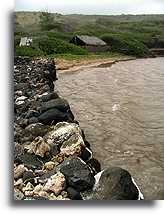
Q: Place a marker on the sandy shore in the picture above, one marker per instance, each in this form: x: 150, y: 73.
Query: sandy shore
x: 63, y: 65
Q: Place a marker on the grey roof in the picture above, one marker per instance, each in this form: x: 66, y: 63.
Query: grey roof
x: 91, y: 40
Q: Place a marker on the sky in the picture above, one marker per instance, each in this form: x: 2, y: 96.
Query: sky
x: 104, y: 7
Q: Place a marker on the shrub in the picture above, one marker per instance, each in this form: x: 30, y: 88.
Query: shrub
x: 125, y: 44
x: 58, y: 46
x: 28, y: 51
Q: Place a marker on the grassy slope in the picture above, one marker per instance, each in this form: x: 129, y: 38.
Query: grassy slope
x: 99, y: 24
x: 140, y: 27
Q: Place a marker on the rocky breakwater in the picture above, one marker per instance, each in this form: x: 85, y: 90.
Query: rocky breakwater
x: 52, y: 158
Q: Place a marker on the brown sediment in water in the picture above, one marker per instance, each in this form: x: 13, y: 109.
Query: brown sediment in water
x: 121, y: 109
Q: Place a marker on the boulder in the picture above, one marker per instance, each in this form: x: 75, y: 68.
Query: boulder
x: 73, y: 194
x: 53, y: 116
x: 38, y: 147
x: 58, y: 103
x: 50, y: 96
x: 31, y: 161
x: 55, y: 184
x: 78, y: 175
x: 114, y: 184
x: 36, y: 129
x: 64, y: 134
x: 32, y: 113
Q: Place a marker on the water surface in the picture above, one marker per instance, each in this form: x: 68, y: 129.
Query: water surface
x: 121, y: 109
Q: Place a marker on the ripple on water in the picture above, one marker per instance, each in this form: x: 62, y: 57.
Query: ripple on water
x: 121, y: 109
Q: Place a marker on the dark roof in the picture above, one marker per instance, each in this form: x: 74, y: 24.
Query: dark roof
x: 91, y: 40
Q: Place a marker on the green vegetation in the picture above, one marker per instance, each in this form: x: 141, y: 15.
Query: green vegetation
x: 28, y: 51
x: 51, y: 32
x: 57, y: 46
x: 125, y: 44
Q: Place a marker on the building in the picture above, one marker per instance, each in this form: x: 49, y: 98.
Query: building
x: 91, y: 43
x: 25, y: 41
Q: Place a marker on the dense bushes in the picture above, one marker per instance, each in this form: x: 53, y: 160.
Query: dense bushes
x: 58, y: 46
x: 28, y: 51
x: 47, y: 46
x: 125, y: 44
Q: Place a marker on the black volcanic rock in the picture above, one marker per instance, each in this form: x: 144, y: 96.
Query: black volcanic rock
x: 78, y: 175
x: 73, y: 194
x: 115, y: 184
x: 58, y: 103
x: 49, y: 96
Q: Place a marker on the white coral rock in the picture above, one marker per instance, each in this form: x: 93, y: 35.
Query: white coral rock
x: 55, y: 183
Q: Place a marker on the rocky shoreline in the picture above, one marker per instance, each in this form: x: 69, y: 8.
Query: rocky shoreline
x: 52, y: 158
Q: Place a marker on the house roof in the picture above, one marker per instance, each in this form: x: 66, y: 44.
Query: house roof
x: 91, y: 40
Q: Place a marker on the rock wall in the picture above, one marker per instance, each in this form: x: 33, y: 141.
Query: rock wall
x: 52, y: 158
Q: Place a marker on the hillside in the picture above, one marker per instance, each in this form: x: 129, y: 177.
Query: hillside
x: 147, y: 29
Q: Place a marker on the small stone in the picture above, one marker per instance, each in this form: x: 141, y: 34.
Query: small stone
x: 49, y: 165
x: 22, y: 98
x: 19, y: 170
x: 28, y: 187
x: 18, y: 182
x: 59, y: 197
x: 55, y: 183
x: 52, y: 196
x: 64, y: 194
x: 18, y: 195
x: 38, y: 188
x: 28, y: 193
x: 28, y: 176
x: 43, y: 194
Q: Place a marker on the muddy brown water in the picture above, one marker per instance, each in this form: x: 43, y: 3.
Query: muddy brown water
x: 121, y: 109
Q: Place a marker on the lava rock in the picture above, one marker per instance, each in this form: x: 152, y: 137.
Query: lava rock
x: 58, y: 103
x: 77, y: 174
x: 31, y: 161
x: 73, y: 194
x: 50, y: 96
x: 28, y: 176
x: 86, y: 154
x: 95, y: 165
x: 36, y: 129
x: 18, y: 195
x: 53, y: 116
x: 33, y: 120
x: 18, y: 150
x: 32, y: 113
x: 114, y: 184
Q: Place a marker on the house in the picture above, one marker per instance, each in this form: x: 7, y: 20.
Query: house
x: 25, y: 41
x: 91, y: 43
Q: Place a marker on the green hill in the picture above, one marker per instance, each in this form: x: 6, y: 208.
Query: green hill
x: 145, y: 29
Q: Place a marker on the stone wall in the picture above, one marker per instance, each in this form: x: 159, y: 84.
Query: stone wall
x: 52, y: 158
